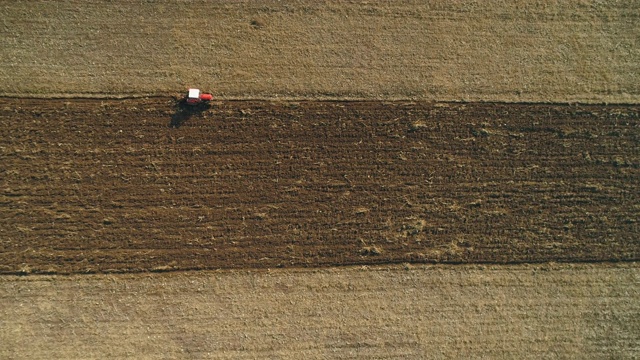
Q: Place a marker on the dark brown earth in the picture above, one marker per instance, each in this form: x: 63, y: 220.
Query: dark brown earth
x: 140, y: 185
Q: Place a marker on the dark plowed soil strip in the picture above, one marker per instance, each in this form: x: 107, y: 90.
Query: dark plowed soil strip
x: 99, y: 186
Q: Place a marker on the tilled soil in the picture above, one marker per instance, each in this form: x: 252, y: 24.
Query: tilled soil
x: 143, y: 185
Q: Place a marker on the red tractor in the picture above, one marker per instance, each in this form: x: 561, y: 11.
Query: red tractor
x: 195, y: 97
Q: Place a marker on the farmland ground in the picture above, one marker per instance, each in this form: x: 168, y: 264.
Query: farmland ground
x: 489, y: 50
x: 585, y: 311
x: 122, y: 186
x: 139, y: 185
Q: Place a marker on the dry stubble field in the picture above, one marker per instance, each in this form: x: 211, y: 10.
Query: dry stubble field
x: 489, y: 50
x: 463, y: 311
x: 571, y: 194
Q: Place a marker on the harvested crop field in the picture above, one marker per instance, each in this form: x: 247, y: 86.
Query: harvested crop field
x: 489, y: 50
x: 139, y: 185
x: 585, y: 311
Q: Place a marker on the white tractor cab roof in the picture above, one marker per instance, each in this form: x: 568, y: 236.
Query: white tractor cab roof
x: 194, y: 94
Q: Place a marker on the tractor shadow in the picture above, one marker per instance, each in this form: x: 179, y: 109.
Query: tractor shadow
x: 185, y: 112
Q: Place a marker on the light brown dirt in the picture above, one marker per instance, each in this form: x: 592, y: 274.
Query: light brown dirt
x: 490, y: 50
x: 102, y: 186
x: 515, y: 312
